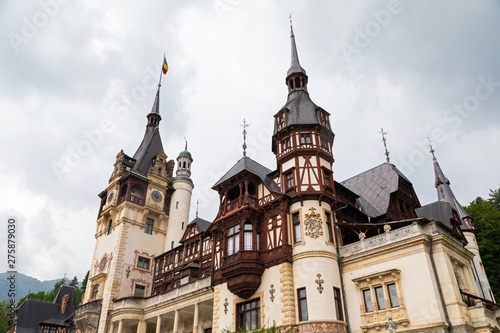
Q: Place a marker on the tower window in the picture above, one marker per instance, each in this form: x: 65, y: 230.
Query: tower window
x: 302, y: 303
x: 328, y: 222
x: 305, y: 139
x: 110, y: 227
x: 338, y: 304
x: 248, y: 315
x: 233, y: 240
x: 297, y: 236
x: 177, y: 205
x: 95, y: 291
x: 143, y: 262
x: 297, y: 82
x: 149, y: 226
x: 172, y: 245
x: 182, y: 226
x: 285, y: 144
x: 139, y: 291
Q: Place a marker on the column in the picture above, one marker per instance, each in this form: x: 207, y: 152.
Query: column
x: 158, y: 324
x: 112, y: 327
x: 141, y: 326
x: 176, y: 322
x: 196, y: 318
x: 120, y: 326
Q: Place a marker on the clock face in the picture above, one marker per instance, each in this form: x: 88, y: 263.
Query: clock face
x: 111, y: 196
x: 156, y: 196
x: 103, y: 263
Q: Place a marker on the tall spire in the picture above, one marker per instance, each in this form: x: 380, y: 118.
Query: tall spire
x: 384, y: 140
x: 445, y: 193
x: 295, y: 66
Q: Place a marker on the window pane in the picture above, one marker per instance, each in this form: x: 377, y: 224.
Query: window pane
x: 230, y: 246
x: 298, y: 236
x: 393, y: 295
x: 236, y: 243
x: 303, y: 310
x: 380, y: 298
x: 368, y: 300
x: 248, y: 241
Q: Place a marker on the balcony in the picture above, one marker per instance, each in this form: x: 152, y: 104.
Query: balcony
x: 243, y: 272
x: 482, y: 312
x: 87, y: 316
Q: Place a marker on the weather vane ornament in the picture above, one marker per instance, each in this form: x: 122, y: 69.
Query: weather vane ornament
x: 245, y: 125
x: 384, y: 140
x: 431, y: 148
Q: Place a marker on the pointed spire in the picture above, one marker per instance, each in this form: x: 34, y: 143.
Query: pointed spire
x: 384, y: 140
x: 186, y: 146
x: 295, y: 66
x: 444, y: 191
x: 245, y: 125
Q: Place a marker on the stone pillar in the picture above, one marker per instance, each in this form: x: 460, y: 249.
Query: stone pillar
x: 196, y: 318
x: 176, y: 322
x: 158, y: 324
x: 120, y: 326
x: 112, y: 327
x: 141, y: 326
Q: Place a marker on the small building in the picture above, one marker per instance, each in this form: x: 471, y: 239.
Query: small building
x: 34, y: 316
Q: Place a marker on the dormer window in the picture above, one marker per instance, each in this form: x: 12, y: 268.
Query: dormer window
x: 305, y: 139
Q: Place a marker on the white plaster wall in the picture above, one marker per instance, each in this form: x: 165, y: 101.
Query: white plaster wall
x: 182, y: 195
x: 320, y: 306
x: 270, y: 309
x: 420, y: 292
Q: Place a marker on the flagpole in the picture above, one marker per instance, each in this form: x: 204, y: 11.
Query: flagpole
x: 161, y: 72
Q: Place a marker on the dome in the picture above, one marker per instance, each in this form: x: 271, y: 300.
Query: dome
x: 185, y: 153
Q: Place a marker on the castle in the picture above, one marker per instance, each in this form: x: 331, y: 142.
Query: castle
x: 290, y: 247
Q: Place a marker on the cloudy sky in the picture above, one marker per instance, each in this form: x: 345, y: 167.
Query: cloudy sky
x: 79, y: 77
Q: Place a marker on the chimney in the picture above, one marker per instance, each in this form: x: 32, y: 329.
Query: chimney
x: 65, y: 302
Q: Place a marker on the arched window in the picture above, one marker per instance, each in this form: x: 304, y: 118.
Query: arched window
x: 291, y: 83
x: 297, y: 82
x: 247, y: 237
x: 110, y: 227
x: 95, y: 291
x: 123, y: 191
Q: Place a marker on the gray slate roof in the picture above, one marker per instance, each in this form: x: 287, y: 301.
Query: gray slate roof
x: 202, y: 224
x: 149, y: 148
x: 246, y: 163
x: 375, y: 187
x: 31, y: 312
x: 439, y: 211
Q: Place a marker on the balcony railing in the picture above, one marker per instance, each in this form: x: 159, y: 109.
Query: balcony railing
x: 473, y: 300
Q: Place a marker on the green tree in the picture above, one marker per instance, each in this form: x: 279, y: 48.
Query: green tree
x: 4, y: 316
x: 486, y: 215
x: 74, y: 282
x: 81, y: 290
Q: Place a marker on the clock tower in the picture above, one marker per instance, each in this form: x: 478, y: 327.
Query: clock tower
x: 142, y: 204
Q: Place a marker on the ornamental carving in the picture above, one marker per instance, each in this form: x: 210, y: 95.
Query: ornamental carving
x: 313, y: 224
x: 320, y: 282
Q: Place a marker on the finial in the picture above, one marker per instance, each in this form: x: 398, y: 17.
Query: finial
x: 431, y: 148
x: 291, y: 26
x: 245, y: 125
x: 384, y: 140
x: 186, y: 147
x: 197, y: 206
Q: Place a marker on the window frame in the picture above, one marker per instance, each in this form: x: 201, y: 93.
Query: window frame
x: 289, y: 180
x: 242, y: 309
x: 139, y: 286
x: 248, y: 233
x: 110, y: 227
x: 143, y: 260
x: 148, y: 229
x: 233, y: 240
x: 337, y: 297
x: 329, y: 226
x: 95, y: 291
x: 296, y: 224
x: 302, y: 302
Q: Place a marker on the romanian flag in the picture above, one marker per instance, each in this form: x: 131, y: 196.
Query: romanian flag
x: 165, y: 65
